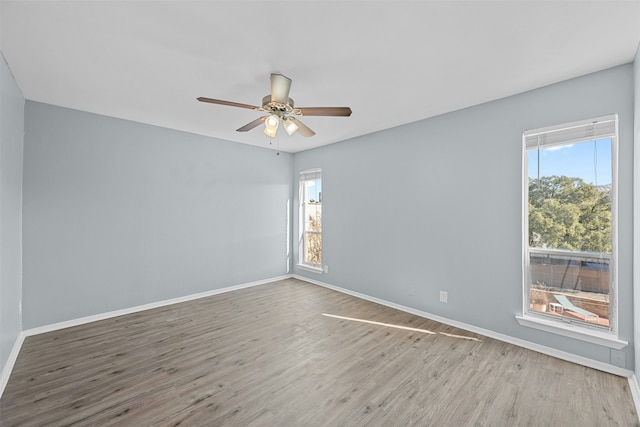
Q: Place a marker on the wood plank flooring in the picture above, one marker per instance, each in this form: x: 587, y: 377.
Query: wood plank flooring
x: 268, y: 356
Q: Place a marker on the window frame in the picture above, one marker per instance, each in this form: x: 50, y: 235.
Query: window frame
x: 560, y: 325
x: 307, y: 175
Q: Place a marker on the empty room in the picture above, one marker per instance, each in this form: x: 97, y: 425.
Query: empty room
x: 319, y: 213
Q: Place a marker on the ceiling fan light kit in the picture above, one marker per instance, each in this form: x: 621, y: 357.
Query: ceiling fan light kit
x: 281, y: 109
x: 271, y: 125
x: 289, y: 125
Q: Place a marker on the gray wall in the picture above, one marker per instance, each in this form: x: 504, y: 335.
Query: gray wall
x: 436, y: 205
x: 636, y: 202
x: 11, y: 145
x: 119, y: 214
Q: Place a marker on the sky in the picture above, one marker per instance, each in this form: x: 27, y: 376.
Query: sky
x: 313, y: 189
x: 590, y: 160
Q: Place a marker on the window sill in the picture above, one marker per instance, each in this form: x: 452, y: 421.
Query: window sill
x: 317, y: 270
x: 572, y: 331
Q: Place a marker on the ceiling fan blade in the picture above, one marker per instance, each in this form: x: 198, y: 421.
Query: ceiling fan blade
x: 280, y: 86
x: 303, y: 129
x: 252, y: 124
x: 229, y: 103
x: 325, y: 111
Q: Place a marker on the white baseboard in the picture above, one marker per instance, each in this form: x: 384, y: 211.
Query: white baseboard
x: 580, y: 360
x: 635, y: 392
x: 8, y: 367
x: 136, y: 309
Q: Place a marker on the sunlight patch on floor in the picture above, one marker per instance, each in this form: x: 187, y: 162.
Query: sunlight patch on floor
x: 371, y: 322
x: 406, y: 328
x: 462, y: 337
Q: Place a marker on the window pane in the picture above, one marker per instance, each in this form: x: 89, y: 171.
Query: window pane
x: 313, y: 248
x: 313, y: 235
x: 570, y: 230
x: 313, y: 190
x: 313, y: 217
x: 311, y: 220
x: 583, y: 279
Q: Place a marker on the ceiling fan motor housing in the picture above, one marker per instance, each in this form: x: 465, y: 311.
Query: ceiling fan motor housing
x: 275, y: 107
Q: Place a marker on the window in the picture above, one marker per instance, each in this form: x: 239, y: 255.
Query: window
x: 570, y: 223
x: 311, y: 218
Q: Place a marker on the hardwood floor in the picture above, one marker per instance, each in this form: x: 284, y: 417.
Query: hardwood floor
x: 268, y: 356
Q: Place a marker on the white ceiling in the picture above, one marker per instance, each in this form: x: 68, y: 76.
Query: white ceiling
x: 392, y: 62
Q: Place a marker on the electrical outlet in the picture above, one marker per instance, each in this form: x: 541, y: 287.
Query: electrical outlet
x: 326, y: 268
x: 443, y: 296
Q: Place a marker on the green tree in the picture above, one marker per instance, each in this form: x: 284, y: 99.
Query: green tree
x: 568, y: 213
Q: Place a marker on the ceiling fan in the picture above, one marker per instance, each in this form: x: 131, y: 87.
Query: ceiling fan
x: 280, y: 110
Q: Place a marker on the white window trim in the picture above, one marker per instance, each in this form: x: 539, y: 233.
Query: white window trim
x: 577, y: 330
x: 572, y: 330
x: 310, y: 268
x: 305, y: 175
